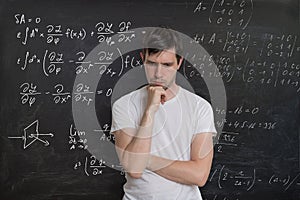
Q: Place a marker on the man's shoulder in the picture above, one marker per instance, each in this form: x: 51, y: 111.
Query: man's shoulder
x: 193, y: 98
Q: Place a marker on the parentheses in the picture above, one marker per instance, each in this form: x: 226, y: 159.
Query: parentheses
x: 84, y: 34
x: 249, y: 36
x: 211, y: 10
x: 225, y: 43
x: 44, y: 63
x: 234, y: 61
x: 288, y: 180
x: 253, y: 182
x: 231, y: 77
x: 219, y: 179
x: 245, y: 70
x: 85, y: 167
x: 250, y: 17
x: 71, y: 35
x: 292, y: 181
x: 122, y: 60
x: 271, y: 179
x: 263, y: 44
x: 234, y: 68
x: 293, y: 47
x: 277, y: 74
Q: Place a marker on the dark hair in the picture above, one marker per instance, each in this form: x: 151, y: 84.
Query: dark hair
x: 160, y: 39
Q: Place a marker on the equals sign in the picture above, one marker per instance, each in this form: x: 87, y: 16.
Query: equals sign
x: 99, y: 91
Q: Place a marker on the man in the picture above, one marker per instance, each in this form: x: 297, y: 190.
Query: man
x: 163, y: 133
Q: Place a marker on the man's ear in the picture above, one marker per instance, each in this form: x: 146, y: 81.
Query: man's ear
x: 142, y: 56
x: 180, y: 62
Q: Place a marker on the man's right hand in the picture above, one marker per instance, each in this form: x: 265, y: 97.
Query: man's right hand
x: 156, y: 95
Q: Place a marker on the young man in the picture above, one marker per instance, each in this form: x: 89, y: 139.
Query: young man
x: 163, y: 133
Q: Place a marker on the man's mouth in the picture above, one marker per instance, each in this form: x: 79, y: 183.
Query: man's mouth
x: 158, y: 84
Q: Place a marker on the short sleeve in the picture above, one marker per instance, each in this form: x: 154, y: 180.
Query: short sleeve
x: 204, y: 118
x: 122, y: 115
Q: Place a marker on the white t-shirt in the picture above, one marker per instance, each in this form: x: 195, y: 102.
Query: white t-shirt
x: 175, y: 124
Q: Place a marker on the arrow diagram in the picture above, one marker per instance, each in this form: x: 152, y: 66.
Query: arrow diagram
x: 31, y: 134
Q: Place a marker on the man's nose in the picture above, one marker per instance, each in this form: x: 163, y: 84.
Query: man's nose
x: 158, y: 71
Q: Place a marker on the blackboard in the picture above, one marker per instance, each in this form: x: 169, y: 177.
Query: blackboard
x: 48, y: 152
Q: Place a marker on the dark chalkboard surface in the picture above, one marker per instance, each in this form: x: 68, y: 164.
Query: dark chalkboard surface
x: 58, y: 83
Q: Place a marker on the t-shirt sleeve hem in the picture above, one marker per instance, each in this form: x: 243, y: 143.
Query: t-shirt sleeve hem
x: 205, y: 131
x: 112, y: 130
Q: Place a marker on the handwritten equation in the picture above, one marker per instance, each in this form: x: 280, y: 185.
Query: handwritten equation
x: 228, y: 13
x: 53, y: 33
x: 29, y: 94
x: 267, y: 59
x: 53, y: 62
x: 284, y: 73
x: 249, y: 179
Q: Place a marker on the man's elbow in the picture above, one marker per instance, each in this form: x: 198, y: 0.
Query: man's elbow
x: 201, y: 179
x: 201, y: 183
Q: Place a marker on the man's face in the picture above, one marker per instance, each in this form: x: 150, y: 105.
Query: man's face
x: 161, y: 67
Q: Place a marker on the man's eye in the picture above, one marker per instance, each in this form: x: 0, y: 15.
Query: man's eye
x: 152, y: 64
x: 166, y: 65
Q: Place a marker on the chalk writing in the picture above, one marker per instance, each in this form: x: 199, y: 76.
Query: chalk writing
x: 32, y: 134
x: 91, y: 166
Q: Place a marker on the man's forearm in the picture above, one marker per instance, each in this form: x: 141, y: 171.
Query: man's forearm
x: 136, y: 154
x: 192, y: 172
